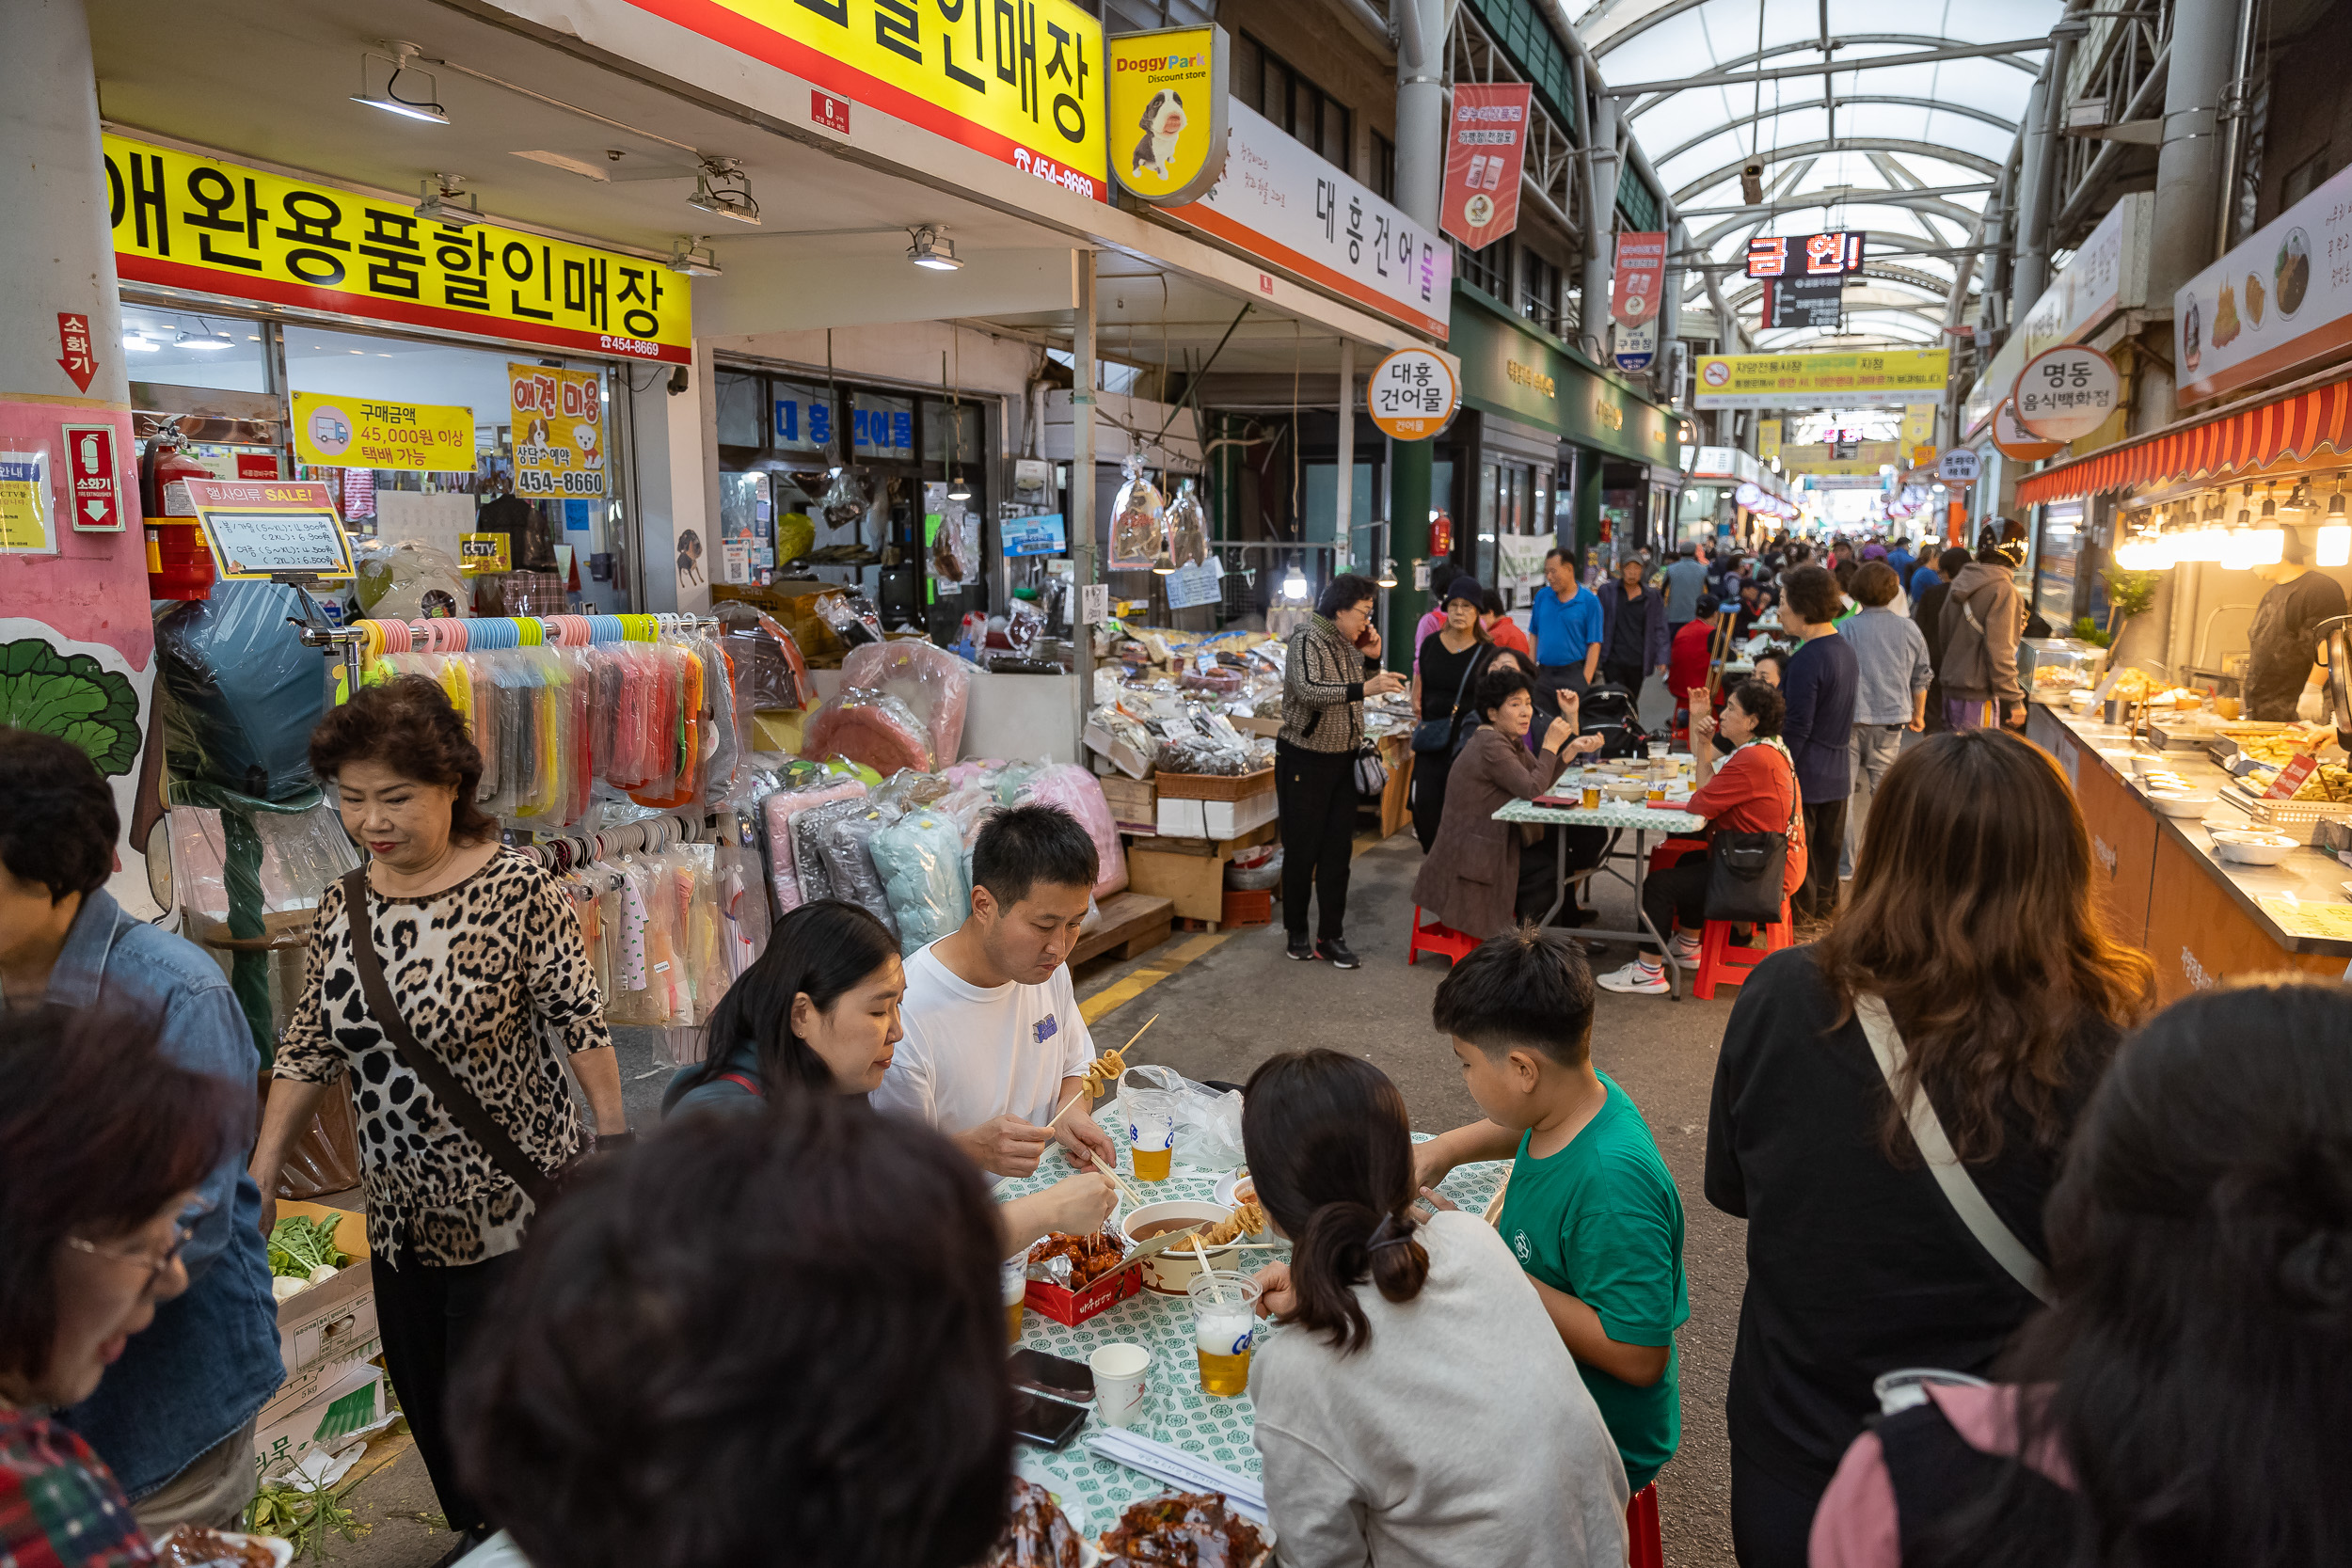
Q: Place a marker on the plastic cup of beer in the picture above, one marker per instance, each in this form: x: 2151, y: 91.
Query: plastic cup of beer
x: 1224, y: 1323
x: 1658, y: 750
x: 1120, y: 1372
x: 1014, y: 1272
x: 1592, y: 790
x: 1657, y: 791
x: 1152, y: 1144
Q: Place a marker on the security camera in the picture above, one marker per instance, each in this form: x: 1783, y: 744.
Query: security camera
x: 678, y: 380
x: 1752, y: 183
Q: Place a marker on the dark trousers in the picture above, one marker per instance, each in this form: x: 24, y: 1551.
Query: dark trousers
x: 1824, y: 840
x: 1539, y: 869
x: 1628, y: 674
x: 426, y: 1315
x: 1314, y: 792
x: 1677, y: 895
x: 1429, y: 775
x: 1771, y: 1518
x: 1556, y: 678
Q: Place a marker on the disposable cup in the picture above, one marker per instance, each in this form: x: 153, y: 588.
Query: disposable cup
x: 1592, y: 792
x: 1224, y: 1323
x: 1121, y: 1381
x: 1152, y: 1144
x: 1014, y: 1276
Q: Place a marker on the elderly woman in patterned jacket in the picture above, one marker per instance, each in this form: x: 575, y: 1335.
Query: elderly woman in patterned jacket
x: 480, y: 955
x: 1333, y: 664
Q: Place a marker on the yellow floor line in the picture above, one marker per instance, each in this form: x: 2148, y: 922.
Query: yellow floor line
x: 1128, y: 986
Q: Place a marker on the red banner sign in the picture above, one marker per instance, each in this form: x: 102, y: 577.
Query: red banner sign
x: 95, y: 481
x: 1640, y: 279
x: 1486, y: 149
x: 76, y: 356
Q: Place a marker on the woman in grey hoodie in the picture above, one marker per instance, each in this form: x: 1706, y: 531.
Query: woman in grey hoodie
x: 1984, y: 615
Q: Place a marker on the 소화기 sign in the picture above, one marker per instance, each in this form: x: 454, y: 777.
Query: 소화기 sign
x: 1413, y: 392
x: 1019, y: 80
x: 2065, y: 393
x: 1166, y: 108
x: 1486, y: 149
x: 272, y: 528
x: 184, y: 221
x: 1874, y: 380
x: 333, y: 431
x: 559, y: 430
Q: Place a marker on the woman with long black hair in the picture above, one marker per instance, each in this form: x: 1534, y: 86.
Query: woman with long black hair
x: 818, y: 1013
x: 2183, y: 1399
x: 1421, y: 1411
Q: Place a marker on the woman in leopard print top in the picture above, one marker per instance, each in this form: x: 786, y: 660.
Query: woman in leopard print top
x: 484, y: 960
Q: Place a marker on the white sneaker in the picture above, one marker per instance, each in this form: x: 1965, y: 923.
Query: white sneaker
x: 1634, y: 980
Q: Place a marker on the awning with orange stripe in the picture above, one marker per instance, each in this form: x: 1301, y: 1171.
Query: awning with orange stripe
x: 2296, y: 426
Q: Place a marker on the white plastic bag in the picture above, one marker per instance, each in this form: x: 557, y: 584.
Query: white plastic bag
x: 1208, y: 1123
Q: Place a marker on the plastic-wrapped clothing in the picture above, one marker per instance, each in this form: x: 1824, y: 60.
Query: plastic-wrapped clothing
x: 967, y: 808
x: 766, y: 660
x: 870, y: 727
x: 844, y: 843
x: 936, y: 684
x: 742, y: 913
x: 406, y: 579
x: 808, y: 856
x: 247, y: 689
x: 776, y: 814
x: 920, y: 859
x: 1078, y: 792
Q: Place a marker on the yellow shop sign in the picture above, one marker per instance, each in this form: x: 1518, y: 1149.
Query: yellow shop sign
x: 332, y: 431
x: 1167, y: 99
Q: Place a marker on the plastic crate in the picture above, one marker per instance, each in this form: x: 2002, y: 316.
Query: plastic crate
x: 1248, y: 907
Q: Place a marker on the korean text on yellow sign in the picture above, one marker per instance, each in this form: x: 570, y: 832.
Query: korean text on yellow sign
x: 1167, y: 106
x: 332, y: 431
x: 188, y: 222
x: 1019, y: 80
x: 1874, y: 380
x: 559, y: 430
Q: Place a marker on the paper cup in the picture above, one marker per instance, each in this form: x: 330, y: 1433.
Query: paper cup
x: 1121, y: 1381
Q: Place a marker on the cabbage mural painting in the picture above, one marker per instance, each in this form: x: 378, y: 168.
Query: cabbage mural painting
x: 72, y: 696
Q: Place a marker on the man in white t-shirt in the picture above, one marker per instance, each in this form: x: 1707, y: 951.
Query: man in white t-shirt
x: 994, y: 1044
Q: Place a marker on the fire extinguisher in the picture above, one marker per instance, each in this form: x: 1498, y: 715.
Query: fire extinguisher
x: 179, y: 565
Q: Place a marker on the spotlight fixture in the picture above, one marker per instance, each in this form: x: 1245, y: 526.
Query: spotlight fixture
x: 724, y: 190
x: 691, y: 254
x: 402, y: 58
x: 2335, y: 534
x: 959, y: 489
x: 929, y: 250
x: 1163, y: 564
x: 2270, y: 502
x: 1388, y: 570
x: 437, y: 202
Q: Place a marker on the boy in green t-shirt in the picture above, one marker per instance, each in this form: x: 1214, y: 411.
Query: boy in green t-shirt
x: 1591, y: 1211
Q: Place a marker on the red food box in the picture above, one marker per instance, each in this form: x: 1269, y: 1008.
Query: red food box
x: 1071, y: 1307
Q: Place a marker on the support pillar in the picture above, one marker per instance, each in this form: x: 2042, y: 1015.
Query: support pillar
x: 84, y: 597
x: 2031, y: 274
x: 1601, y: 213
x: 1081, y: 496
x: 1419, y: 189
x: 1344, y: 492
x: 2188, y: 163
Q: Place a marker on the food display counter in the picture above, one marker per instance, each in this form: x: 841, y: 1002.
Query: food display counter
x: 2163, y: 887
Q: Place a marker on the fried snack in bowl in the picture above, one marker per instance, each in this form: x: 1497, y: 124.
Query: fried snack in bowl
x: 1184, y: 1529
x: 1076, y: 1262
x: 1248, y: 1219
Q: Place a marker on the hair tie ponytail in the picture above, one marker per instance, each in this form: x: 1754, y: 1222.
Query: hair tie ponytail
x: 1388, y: 1233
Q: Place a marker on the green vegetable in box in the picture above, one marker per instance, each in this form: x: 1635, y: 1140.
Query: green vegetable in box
x: 303, y: 1250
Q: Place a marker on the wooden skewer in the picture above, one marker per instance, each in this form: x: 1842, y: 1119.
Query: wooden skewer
x: 1137, y: 1036
x: 1200, y: 1252
x: 1133, y: 1195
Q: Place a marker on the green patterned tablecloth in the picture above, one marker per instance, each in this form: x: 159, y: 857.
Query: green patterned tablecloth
x: 1094, y: 1492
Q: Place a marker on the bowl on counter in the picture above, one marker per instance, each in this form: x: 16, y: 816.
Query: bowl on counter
x: 2182, y: 802
x: 1171, y: 1270
x: 2248, y: 846
x: 1625, y: 789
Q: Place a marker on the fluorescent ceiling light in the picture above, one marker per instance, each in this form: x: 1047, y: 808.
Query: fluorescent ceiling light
x: 929, y: 250
x: 437, y: 202
x: 690, y: 256
x: 185, y: 338
x: 399, y: 56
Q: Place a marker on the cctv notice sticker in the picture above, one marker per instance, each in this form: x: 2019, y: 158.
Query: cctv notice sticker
x: 559, y: 430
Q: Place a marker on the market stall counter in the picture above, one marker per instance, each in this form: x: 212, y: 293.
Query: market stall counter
x: 2165, y: 887
x: 1202, y: 1428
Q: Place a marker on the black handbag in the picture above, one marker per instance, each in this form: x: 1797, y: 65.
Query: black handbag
x: 1744, y: 872
x: 1437, y: 734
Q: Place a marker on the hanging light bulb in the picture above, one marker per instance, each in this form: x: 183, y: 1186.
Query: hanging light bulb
x: 2246, y: 507
x: 1388, y: 570
x: 2238, y: 550
x: 2270, y: 536
x: 958, y: 490
x: 1295, y: 584
x: 1163, y: 564
x: 2270, y: 501
x: 2335, y: 534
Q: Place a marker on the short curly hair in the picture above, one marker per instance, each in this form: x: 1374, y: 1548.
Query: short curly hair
x: 61, y: 824
x: 408, y: 724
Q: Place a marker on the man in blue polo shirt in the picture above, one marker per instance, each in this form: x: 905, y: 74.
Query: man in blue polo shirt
x: 1567, y: 623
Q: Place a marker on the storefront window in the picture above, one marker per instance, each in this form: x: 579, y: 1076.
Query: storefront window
x: 2054, y: 573
x: 179, y: 348
x: 882, y: 426
x: 937, y: 417
x: 739, y: 413
x: 802, y: 418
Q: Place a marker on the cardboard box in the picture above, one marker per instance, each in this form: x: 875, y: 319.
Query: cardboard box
x: 1215, y: 786
x: 351, y: 1401
x: 1076, y: 1307
x: 320, y: 1323
x: 1133, y: 803
x: 1189, y: 872
x: 1121, y: 756
x: 1195, y: 819
x: 1251, y: 724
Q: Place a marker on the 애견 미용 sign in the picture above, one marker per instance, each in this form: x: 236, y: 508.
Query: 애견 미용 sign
x: 1165, y: 111
x: 1019, y: 80
x: 1486, y: 149
x: 1878, y: 379
x: 559, y: 430
x: 184, y: 221
x: 271, y: 527
x: 333, y: 431
x: 1413, y: 392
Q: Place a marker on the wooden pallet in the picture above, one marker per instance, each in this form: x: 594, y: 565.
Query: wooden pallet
x: 1133, y: 923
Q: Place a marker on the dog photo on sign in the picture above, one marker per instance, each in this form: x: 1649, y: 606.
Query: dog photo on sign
x: 1163, y: 121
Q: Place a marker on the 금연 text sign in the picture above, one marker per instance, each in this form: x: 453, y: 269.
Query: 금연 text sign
x: 1485, y: 151
x: 1638, y: 279
x: 190, y: 222
x: 1829, y: 255
x: 277, y: 527
x: 1019, y: 80
x: 1413, y: 392
x: 334, y: 432
x: 2065, y: 393
x: 559, y: 430
x: 1888, y: 379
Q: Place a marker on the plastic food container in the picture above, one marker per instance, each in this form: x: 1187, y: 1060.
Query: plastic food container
x: 1170, y: 1272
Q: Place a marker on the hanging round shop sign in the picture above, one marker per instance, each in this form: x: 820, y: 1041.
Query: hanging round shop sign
x: 1413, y: 392
x: 2065, y: 393
x: 1749, y: 496
x: 2015, y: 441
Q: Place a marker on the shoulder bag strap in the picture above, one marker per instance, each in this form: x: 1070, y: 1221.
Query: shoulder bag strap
x: 1479, y: 653
x: 1960, y: 1188
x: 455, y: 1096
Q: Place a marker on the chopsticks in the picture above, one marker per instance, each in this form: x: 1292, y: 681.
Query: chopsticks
x: 1134, y: 1197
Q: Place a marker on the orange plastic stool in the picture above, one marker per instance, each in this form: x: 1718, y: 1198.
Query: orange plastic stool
x: 1669, y: 853
x: 1723, y: 962
x: 1437, y: 936
x: 1644, y: 1549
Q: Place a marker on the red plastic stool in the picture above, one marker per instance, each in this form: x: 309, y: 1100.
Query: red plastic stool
x: 1644, y: 1549
x: 1669, y: 853
x: 1723, y: 962
x: 1437, y: 936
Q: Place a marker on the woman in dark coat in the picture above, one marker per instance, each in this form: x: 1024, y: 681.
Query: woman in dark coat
x: 1471, y: 880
